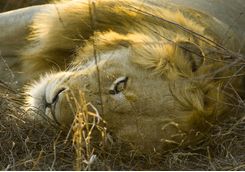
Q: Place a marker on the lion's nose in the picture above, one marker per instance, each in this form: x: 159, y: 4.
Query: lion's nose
x: 52, y: 105
x: 55, y: 98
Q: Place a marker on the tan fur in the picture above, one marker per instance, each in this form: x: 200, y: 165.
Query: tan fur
x: 172, y: 62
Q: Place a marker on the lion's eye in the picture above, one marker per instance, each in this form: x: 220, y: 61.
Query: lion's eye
x: 118, y: 85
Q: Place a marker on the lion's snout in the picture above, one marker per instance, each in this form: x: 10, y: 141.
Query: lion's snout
x: 58, y: 99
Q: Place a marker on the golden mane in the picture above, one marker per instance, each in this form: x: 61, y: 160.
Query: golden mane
x: 58, y: 32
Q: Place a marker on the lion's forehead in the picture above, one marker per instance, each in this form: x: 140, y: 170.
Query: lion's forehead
x: 104, y: 59
x: 110, y: 65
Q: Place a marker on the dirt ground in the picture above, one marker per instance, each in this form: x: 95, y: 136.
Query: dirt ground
x: 29, y: 145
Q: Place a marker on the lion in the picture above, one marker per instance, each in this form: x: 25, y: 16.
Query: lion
x: 159, y: 73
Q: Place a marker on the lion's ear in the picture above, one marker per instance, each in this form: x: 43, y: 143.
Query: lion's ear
x: 191, y: 53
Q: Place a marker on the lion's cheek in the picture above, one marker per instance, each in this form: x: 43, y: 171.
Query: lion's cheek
x: 148, y: 135
x: 119, y: 104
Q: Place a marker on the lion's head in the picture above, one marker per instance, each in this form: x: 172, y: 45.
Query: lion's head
x: 149, y: 92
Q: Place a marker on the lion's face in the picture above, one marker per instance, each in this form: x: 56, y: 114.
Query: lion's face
x: 132, y: 99
x: 139, y: 106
